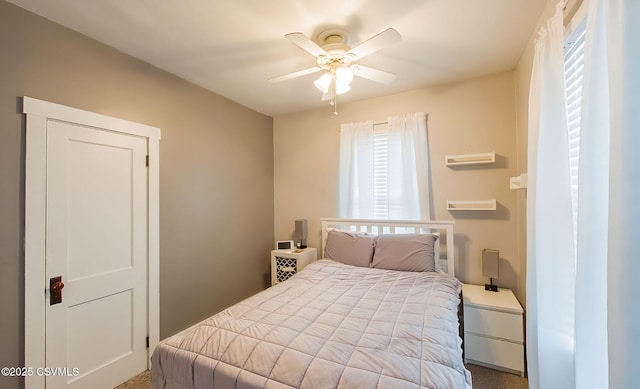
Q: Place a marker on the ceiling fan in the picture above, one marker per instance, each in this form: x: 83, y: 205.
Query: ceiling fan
x: 336, y: 59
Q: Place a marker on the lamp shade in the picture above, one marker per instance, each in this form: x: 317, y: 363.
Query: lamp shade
x: 490, y: 263
x: 341, y: 79
x: 323, y: 82
x: 344, y: 76
x: 301, y: 230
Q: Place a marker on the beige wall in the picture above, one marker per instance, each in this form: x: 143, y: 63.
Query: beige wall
x: 216, y: 170
x: 468, y: 117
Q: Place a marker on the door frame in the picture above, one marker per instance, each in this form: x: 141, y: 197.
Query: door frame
x: 38, y: 112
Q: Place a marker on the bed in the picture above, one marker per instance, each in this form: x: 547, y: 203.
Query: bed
x: 339, y: 323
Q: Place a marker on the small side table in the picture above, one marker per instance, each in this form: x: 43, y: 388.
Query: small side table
x: 286, y: 263
x: 493, y: 329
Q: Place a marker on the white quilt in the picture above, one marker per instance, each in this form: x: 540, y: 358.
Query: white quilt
x: 330, y: 326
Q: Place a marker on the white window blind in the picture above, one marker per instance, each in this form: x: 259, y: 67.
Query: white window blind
x: 380, y: 171
x: 573, y: 78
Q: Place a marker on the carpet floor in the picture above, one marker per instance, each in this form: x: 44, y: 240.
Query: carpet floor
x: 483, y: 378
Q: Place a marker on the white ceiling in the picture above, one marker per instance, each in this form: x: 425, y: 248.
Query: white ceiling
x: 232, y: 47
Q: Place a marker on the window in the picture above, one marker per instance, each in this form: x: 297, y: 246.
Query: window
x: 380, y: 171
x: 573, y: 80
x: 384, y: 169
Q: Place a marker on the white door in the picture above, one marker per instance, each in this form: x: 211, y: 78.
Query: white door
x: 96, y: 240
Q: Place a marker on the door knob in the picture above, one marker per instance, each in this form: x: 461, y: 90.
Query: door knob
x: 55, y: 290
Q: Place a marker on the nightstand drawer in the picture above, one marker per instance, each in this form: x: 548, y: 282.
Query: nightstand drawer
x: 493, y: 323
x: 494, y: 352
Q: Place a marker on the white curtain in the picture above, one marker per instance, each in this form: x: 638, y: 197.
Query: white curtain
x: 355, y: 181
x: 550, y: 249
x: 607, y: 313
x: 622, y: 31
x: 593, y: 199
x: 408, y: 168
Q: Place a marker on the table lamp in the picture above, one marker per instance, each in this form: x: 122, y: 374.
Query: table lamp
x: 301, y: 233
x: 490, y: 267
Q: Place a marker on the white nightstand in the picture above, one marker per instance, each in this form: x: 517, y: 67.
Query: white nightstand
x: 493, y: 329
x: 285, y: 263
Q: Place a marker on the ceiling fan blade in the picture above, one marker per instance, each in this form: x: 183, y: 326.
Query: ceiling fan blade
x: 306, y: 44
x: 299, y: 73
x: 375, y: 43
x: 373, y: 74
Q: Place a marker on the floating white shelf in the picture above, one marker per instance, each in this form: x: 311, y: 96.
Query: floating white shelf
x: 471, y: 205
x: 470, y: 159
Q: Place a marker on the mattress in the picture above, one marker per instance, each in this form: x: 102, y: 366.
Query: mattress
x: 330, y: 326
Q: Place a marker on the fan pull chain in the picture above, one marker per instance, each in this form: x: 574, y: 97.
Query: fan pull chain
x: 335, y: 105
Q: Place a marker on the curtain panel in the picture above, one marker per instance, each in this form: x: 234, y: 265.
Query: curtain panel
x: 593, y: 198
x: 355, y: 177
x: 550, y: 249
x: 601, y: 349
x: 622, y: 34
x: 408, y: 168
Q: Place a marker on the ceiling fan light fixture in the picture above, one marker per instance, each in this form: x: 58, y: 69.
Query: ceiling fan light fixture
x: 342, y: 79
x: 335, y: 56
x: 344, y: 76
x: 342, y: 89
x: 323, y: 82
